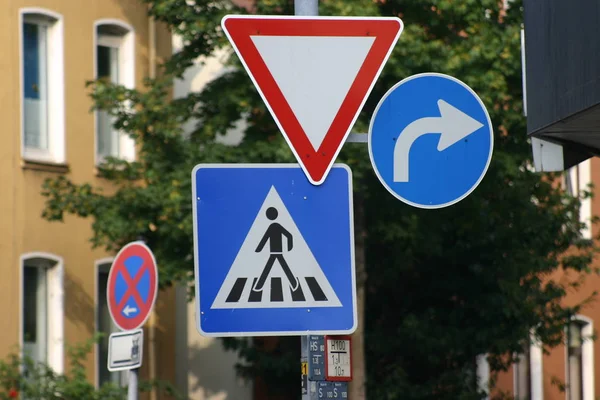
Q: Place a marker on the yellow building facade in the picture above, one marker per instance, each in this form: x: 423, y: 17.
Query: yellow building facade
x: 53, y: 284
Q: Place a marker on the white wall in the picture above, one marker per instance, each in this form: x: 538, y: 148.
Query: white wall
x: 205, y: 371
x: 196, y: 77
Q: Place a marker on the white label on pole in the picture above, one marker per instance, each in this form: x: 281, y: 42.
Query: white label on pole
x: 339, y: 359
x: 125, y: 350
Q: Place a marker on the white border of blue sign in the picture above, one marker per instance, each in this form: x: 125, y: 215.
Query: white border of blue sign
x: 489, y: 121
x: 197, y: 264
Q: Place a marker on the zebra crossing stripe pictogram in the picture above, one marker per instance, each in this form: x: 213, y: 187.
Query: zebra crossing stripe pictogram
x: 262, y: 276
x: 277, y: 291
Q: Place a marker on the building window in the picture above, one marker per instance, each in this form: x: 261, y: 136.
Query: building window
x: 580, y: 362
x: 42, y: 318
x: 523, y: 376
x: 483, y: 374
x: 35, y: 78
x: 104, y: 324
x: 114, y: 55
x: 576, y: 181
x: 107, y: 56
x: 527, y: 369
x: 35, y: 312
x: 42, y: 86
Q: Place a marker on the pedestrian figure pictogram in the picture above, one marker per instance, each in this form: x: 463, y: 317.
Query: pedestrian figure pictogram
x: 274, y: 235
x: 268, y: 259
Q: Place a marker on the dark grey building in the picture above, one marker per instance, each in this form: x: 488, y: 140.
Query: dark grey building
x: 562, y: 80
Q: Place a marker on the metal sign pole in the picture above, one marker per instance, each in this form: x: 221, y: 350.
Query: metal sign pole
x: 304, y: 366
x: 132, y: 388
x: 307, y: 8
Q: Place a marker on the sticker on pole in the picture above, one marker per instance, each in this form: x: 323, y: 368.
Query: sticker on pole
x: 132, y: 286
x: 314, y: 75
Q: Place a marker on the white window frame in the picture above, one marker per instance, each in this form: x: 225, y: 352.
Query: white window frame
x: 587, y: 355
x: 55, y: 302
x: 535, y: 370
x: 100, y: 266
x: 126, y: 44
x: 56, y: 85
x: 483, y: 374
x: 576, y: 180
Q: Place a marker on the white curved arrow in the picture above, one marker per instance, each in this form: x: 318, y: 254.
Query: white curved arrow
x: 453, y: 125
x: 128, y: 310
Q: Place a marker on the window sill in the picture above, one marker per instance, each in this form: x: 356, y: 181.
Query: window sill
x: 59, y: 168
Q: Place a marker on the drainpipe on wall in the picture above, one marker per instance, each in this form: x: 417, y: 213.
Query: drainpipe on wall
x: 152, y: 46
x: 152, y: 319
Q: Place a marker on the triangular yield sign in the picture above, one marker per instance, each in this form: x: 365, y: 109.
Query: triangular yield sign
x: 314, y: 75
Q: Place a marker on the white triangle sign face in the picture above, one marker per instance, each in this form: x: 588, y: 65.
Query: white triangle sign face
x: 274, y: 267
x: 314, y: 75
x: 291, y: 60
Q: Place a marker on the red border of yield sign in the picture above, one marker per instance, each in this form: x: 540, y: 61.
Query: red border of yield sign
x: 149, y: 264
x: 386, y: 30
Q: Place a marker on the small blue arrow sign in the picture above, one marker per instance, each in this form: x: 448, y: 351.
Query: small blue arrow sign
x: 430, y: 140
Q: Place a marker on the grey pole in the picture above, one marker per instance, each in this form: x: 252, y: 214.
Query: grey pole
x: 304, y: 359
x: 306, y: 7
x: 132, y: 388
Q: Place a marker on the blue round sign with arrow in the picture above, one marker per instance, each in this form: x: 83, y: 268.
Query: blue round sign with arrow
x: 430, y: 140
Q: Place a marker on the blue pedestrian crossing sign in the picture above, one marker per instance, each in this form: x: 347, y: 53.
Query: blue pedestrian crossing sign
x: 430, y: 140
x: 274, y: 254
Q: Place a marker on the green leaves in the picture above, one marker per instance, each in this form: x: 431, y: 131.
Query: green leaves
x: 444, y: 285
x: 24, y: 378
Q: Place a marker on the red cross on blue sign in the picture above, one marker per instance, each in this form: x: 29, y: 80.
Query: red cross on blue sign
x: 132, y: 286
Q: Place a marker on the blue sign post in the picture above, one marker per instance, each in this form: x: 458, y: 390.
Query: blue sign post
x: 430, y: 140
x: 316, y: 358
x: 332, y: 390
x: 274, y: 254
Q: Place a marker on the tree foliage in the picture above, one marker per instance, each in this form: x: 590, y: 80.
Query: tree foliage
x: 443, y: 286
x: 21, y: 377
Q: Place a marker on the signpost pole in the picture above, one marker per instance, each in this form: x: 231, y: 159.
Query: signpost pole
x: 306, y: 8
x: 132, y: 389
x: 304, y: 365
